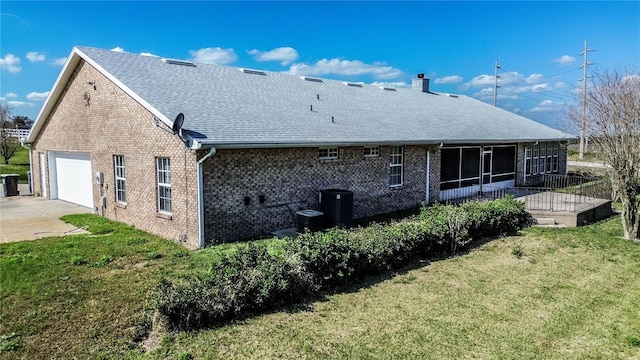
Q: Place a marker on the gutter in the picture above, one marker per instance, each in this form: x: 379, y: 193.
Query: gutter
x: 212, y: 151
x: 235, y: 145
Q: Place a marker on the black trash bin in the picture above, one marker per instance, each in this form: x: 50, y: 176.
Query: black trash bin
x: 337, y: 205
x: 10, y: 184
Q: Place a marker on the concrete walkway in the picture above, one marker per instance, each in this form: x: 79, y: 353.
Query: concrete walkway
x: 28, y: 217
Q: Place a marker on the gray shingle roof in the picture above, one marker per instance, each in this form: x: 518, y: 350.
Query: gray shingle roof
x: 230, y: 107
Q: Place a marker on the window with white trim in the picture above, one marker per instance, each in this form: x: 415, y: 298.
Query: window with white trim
x: 396, y: 165
x: 542, y: 158
x: 328, y: 153
x: 371, y: 151
x: 120, y: 179
x: 163, y: 169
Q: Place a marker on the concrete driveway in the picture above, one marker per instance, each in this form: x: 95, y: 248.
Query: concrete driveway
x: 29, y: 217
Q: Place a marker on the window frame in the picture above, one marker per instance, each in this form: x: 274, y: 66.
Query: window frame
x: 371, y: 151
x: 460, y: 181
x: 163, y: 183
x: 508, y: 175
x: 396, y: 161
x: 545, y: 158
x: 120, y: 177
x: 332, y: 153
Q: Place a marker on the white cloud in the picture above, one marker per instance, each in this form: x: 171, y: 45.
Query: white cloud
x: 34, y: 56
x: 214, y: 55
x: 148, y: 54
x: 36, y: 96
x: 488, y: 93
x: 510, y: 85
x: 391, y: 84
x: 11, y: 95
x: 478, y: 81
x: 379, y: 70
x: 117, y: 49
x: 60, y: 61
x: 541, y: 87
x: 560, y: 85
x: 11, y: 63
x: 453, y: 79
x: 535, y: 78
x: 19, y: 104
x: 285, y: 55
x: 564, y: 60
x: 544, y: 106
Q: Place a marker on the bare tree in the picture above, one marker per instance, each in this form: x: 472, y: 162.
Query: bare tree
x: 612, y: 122
x: 8, y: 144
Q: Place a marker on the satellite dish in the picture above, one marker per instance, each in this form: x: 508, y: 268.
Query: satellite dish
x: 177, y: 123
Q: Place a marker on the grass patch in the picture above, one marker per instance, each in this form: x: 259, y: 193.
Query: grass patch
x: 19, y: 164
x: 569, y: 294
x: 588, y: 156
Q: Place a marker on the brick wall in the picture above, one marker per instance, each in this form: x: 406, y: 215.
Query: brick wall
x: 520, y: 178
x: 112, y: 123
x: 290, y: 180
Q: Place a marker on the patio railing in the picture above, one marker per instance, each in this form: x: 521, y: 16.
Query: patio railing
x: 557, y: 193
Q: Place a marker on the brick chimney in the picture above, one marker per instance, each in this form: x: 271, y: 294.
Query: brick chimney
x: 421, y: 83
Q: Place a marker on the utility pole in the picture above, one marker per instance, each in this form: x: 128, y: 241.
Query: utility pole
x: 495, y: 88
x: 584, y: 65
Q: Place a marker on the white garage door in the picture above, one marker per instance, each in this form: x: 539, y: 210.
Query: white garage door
x: 73, y: 180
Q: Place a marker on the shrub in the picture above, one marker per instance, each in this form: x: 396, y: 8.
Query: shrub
x: 456, y: 226
x: 328, y: 255
x: 252, y: 279
x: 245, y: 281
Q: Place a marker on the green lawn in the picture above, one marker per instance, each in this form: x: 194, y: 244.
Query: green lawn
x: 588, y: 156
x: 546, y: 294
x: 19, y: 164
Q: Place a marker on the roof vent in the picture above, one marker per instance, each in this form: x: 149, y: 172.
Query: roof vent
x: 178, y: 62
x: 254, y: 72
x: 453, y: 96
x: 387, y: 88
x: 310, y: 79
x: 353, y: 84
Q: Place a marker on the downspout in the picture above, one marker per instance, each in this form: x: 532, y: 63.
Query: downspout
x: 212, y: 151
x: 428, y: 173
x: 31, y: 172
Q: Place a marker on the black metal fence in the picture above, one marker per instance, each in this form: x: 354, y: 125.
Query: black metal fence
x: 555, y: 193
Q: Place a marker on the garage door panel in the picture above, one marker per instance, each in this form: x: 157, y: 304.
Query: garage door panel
x: 73, y: 178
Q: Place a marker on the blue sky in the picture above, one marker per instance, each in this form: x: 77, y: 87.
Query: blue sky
x: 455, y: 44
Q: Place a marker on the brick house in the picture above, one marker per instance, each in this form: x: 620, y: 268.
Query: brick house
x: 257, y: 146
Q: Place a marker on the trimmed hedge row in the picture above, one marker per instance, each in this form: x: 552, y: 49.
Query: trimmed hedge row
x: 245, y: 281
x: 253, y: 280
